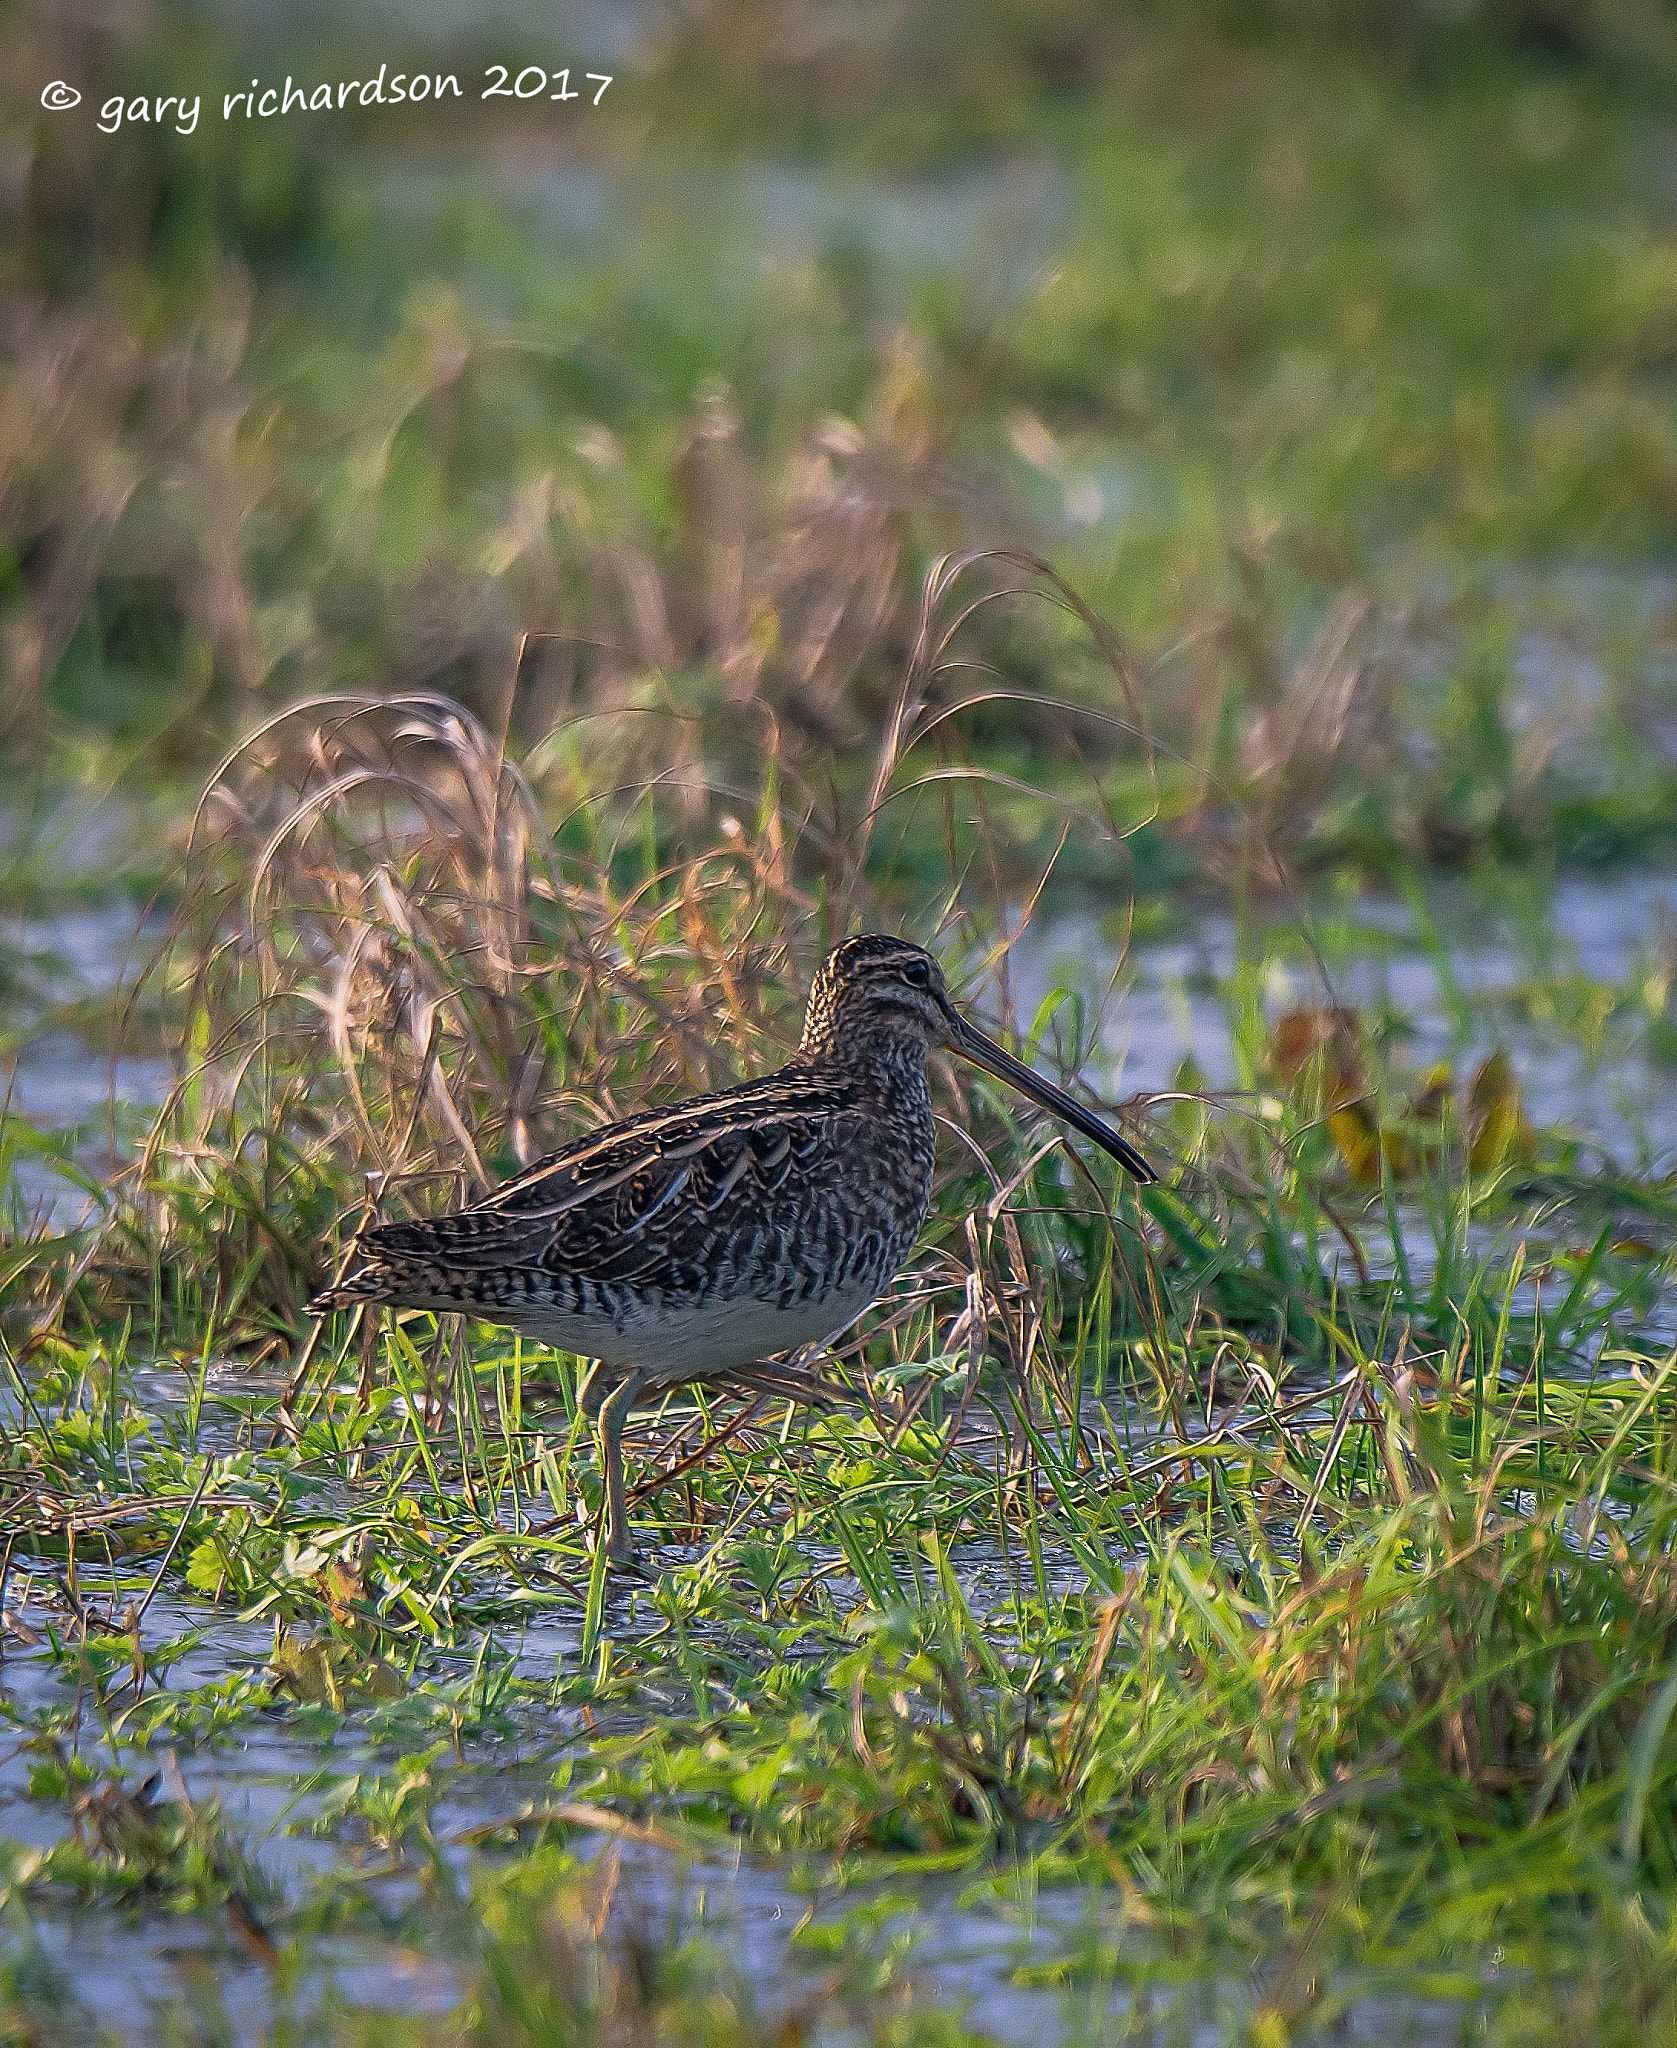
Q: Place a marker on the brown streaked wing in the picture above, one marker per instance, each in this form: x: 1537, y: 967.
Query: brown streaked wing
x: 588, y: 1166
x: 687, y: 1218
x: 617, y: 1205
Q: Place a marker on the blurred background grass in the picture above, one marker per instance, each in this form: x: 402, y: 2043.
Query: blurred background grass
x: 1326, y: 349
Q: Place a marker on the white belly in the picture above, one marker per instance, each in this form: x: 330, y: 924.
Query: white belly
x: 690, y: 1339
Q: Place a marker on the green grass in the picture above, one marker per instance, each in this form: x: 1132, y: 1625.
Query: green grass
x: 1312, y: 1629
x: 1375, y: 1676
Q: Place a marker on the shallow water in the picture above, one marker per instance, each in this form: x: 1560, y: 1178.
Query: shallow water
x: 965, y: 1952
x: 1460, y: 998
x: 1458, y: 1002
x: 60, y: 1078
x: 963, y: 1955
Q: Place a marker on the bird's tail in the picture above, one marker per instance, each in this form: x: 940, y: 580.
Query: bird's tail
x: 385, y: 1263
x: 365, y: 1280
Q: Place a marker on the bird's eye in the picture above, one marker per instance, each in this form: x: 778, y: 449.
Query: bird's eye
x: 917, y: 974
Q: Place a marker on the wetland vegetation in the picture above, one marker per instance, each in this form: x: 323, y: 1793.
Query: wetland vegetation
x: 1173, y: 508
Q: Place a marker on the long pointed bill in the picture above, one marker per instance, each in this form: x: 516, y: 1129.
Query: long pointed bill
x: 972, y: 1044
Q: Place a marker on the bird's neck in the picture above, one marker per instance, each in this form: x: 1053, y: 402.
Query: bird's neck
x: 890, y: 1064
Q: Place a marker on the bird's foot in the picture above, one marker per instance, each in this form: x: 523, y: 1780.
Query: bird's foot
x: 619, y: 1547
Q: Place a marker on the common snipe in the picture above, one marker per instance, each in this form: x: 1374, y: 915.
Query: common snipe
x: 695, y: 1242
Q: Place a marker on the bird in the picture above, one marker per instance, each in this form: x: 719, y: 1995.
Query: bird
x: 698, y: 1242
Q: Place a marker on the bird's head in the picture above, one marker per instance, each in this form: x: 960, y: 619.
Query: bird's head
x: 874, y: 988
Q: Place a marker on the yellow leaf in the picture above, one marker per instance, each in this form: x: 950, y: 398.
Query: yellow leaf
x: 1330, y: 1034
x: 1354, y: 1130
x: 305, y: 1670
x: 1496, y: 1117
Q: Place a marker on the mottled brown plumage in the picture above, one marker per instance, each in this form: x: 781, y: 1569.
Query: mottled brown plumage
x: 695, y: 1242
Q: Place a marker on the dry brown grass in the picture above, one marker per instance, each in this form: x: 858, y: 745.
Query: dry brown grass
x: 119, y: 472
x: 404, y: 962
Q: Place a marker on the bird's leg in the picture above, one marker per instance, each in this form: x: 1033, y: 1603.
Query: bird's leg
x: 614, y: 1412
